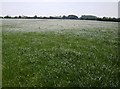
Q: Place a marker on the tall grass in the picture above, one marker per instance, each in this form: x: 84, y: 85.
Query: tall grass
x: 63, y: 58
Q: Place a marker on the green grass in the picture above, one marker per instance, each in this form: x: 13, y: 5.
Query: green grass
x: 75, y: 58
x: 0, y: 54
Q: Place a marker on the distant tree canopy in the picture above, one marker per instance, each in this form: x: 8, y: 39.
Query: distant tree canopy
x: 83, y: 17
x: 88, y: 17
x: 35, y: 16
x: 55, y: 17
x: 1, y: 17
x: 20, y: 16
x: 7, y: 16
x: 64, y: 17
x: 109, y: 19
x: 72, y: 17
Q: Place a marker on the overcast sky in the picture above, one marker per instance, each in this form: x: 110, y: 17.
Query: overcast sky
x: 99, y: 8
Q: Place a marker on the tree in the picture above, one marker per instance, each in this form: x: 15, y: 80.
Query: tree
x: 64, y: 17
x: 105, y: 18
x: 1, y: 17
x: 7, y: 16
x: 72, y: 17
x: 15, y: 17
x: 35, y: 16
x: 20, y: 17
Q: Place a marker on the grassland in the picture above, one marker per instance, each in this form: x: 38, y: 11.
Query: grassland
x: 0, y: 53
x: 60, y: 53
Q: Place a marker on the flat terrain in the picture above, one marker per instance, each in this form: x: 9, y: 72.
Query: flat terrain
x: 0, y: 53
x: 59, y: 53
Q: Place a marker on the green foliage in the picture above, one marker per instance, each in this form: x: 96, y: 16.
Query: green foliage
x: 72, y: 17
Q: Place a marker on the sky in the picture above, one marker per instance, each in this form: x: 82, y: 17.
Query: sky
x: 108, y: 8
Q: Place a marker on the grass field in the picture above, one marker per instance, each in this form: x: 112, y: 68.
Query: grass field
x: 0, y: 53
x: 59, y: 53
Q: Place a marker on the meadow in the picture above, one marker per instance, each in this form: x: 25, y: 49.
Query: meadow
x: 59, y: 53
x: 0, y: 53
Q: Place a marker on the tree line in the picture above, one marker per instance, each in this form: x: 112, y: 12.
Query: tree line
x: 83, y: 17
